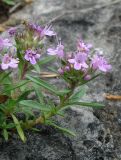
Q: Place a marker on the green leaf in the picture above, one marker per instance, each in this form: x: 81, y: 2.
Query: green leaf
x: 37, y: 68
x: 62, y: 129
x: 10, y: 125
x: 18, y: 85
x: 19, y: 129
x: 52, y: 69
x: 4, y: 76
x: 47, y: 86
x: 9, y: 2
x: 24, y: 95
x: 77, y: 95
x: 10, y: 105
x: 42, y: 83
x: 63, y: 92
x: 34, y: 105
x: 60, y: 113
x: 35, y: 129
x: 84, y: 82
x: 5, y: 134
x: 46, y: 60
x: 86, y: 104
x: 39, y: 93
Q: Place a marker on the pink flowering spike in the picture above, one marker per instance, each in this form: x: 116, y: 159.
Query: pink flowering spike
x: 31, y: 56
x: 8, y: 61
x: 12, y: 31
x: 83, y: 47
x: 98, y: 62
x: 47, y: 31
x: 4, y: 43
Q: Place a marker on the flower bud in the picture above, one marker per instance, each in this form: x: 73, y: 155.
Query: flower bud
x: 61, y: 71
x: 67, y: 68
x: 87, y: 77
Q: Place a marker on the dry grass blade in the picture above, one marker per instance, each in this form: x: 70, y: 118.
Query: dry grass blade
x: 48, y: 75
x: 28, y: 1
x: 113, y: 97
x: 2, y: 28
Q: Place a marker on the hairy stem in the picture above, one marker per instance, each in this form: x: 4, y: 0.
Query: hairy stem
x: 24, y: 71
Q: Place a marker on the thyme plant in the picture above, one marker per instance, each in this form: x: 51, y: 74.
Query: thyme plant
x: 22, y: 62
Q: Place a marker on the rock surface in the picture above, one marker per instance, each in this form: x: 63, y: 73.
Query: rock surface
x: 98, y: 131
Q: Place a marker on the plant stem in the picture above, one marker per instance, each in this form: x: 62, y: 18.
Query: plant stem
x: 24, y: 71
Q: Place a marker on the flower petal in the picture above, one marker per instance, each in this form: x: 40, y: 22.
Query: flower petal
x: 33, y: 60
x: 4, y: 66
x: 71, y: 61
x: 77, y: 66
x: 51, y: 51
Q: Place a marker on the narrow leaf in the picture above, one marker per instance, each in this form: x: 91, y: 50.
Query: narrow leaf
x: 16, y: 86
x: 62, y: 129
x: 37, y: 68
x: 47, y: 86
x: 46, y: 60
x: 19, y: 129
x: 33, y: 105
x: 5, y: 134
x: 92, y: 104
x: 39, y: 93
x: 77, y: 95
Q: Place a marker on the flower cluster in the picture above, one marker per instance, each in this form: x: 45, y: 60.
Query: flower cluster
x: 86, y: 60
x: 27, y: 42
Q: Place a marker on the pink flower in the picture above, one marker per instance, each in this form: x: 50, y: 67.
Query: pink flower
x: 9, y: 62
x: 4, y: 43
x: 12, y: 31
x: 82, y: 47
x: 46, y: 31
x: 98, y: 62
x: 79, y: 61
x: 59, y: 51
x: 31, y: 56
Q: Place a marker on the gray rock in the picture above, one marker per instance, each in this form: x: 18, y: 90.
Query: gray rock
x: 98, y: 131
